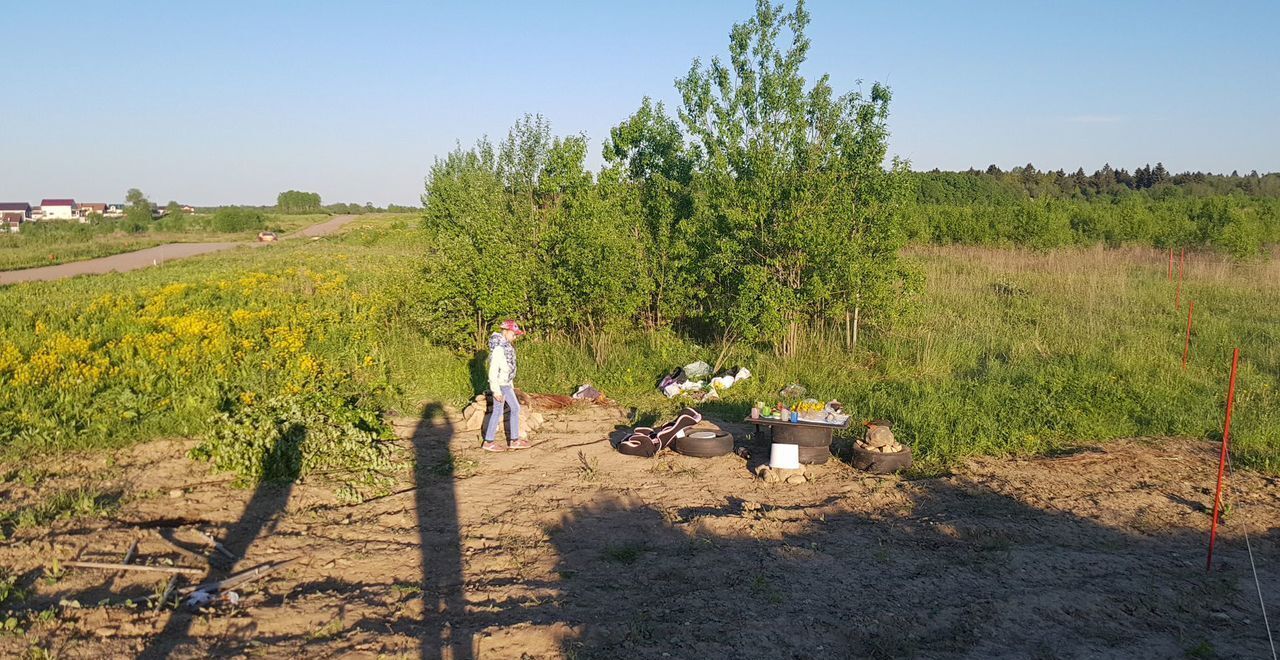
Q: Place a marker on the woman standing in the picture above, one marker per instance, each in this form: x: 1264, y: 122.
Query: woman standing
x: 502, y: 376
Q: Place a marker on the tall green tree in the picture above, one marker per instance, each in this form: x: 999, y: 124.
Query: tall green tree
x: 477, y: 270
x: 797, y: 211
x: 588, y: 286
x: 296, y: 201
x: 653, y: 166
x: 525, y: 230
x: 137, y: 214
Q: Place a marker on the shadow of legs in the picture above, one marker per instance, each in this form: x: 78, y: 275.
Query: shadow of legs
x: 260, y: 515
x: 439, y: 539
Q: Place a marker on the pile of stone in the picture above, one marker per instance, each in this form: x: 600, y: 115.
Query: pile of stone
x: 879, y: 439
x: 772, y: 475
x: 473, y: 415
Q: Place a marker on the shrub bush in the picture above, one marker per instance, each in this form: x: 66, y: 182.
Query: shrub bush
x: 281, y: 437
x: 229, y: 220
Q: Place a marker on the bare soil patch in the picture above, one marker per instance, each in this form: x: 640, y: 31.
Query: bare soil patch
x: 572, y: 550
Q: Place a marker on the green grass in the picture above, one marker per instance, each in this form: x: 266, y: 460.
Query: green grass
x: 1016, y: 352
x: 1008, y: 352
x: 62, y: 505
x: 52, y: 242
x: 16, y: 252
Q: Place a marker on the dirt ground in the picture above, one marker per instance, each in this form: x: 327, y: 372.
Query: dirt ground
x: 572, y: 550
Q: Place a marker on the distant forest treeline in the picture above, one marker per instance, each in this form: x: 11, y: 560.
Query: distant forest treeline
x: 996, y: 185
x: 1025, y: 206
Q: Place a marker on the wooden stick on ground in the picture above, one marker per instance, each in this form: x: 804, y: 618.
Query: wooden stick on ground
x: 131, y: 553
x: 217, y: 546
x: 133, y: 567
x: 176, y: 546
x: 239, y: 578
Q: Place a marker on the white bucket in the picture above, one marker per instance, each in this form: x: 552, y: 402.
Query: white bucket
x: 784, y: 456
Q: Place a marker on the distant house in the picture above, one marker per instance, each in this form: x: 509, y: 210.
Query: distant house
x: 13, y: 214
x: 59, y: 209
x: 92, y: 207
x: 114, y: 211
x: 188, y: 209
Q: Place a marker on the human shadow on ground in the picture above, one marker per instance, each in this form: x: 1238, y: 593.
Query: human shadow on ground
x: 942, y: 568
x: 439, y: 538
x: 956, y: 570
x: 260, y: 516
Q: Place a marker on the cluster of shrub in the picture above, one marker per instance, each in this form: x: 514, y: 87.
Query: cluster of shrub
x: 764, y: 211
x: 1106, y: 184
x: 1234, y: 213
x: 295, y: 201
x: 1241, y: 226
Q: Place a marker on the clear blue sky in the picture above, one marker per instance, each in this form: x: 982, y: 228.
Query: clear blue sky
x: 234, y: 101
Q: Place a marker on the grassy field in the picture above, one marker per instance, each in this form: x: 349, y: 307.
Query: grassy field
x: 1009, y: 352
x: 67, y: 242
x: 1022, y: 352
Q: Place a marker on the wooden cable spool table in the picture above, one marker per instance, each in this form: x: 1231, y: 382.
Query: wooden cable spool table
x: 813, y: 438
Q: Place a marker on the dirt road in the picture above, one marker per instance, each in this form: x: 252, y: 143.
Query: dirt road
x: 570, y: 549
x: 119, y: 263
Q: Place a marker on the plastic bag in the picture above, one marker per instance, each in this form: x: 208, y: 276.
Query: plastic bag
x: 697, y: 370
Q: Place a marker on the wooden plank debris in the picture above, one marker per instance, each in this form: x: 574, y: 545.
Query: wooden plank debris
x: 238, y: 579
x: 133, y: 567
x: 131, y: 553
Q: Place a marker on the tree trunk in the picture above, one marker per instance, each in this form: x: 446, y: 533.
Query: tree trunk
x: 657, y: 309
x: 856, y: 309
x: 726, y: 343
x: 848, y: 336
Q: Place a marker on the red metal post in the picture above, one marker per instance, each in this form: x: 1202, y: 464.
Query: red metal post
x: 1222, y: 459
x: 1186, y: 350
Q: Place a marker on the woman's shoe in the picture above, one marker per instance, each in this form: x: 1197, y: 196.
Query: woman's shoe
x: 490, y: 445
x: 518, y: 443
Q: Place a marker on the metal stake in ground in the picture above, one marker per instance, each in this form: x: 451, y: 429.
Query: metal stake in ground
x: 1186, y: 350
x: 1222, y: 460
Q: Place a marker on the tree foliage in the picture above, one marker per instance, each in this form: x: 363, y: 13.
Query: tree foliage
x: 295, y: 201
x: 764, y: 210
x: 525, y: 230
x: 230, y: 219
x: 138, y: 213
x: 1233, y: 223
x: 798, y: 214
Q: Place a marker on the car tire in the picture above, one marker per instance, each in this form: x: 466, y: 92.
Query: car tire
x: 814, y: 455
x: 704, y: 443
x: 878, y: 463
